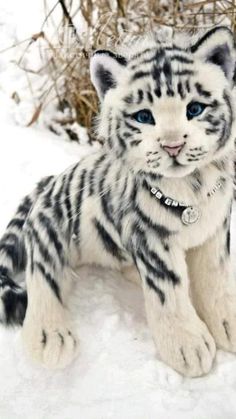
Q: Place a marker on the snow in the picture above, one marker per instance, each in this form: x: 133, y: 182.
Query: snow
x: 117, y: 374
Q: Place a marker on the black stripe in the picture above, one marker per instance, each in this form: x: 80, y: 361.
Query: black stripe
x: 185, y: 72
x: 174, y: 48
x: 109, y: 136
x: 99, y: 160
x: 79, y: 199
x: 50, y: 280
x: 16, y: 222
x: 8, y: 236
x: 147, y: 255
x: 14, y: 245
x: 152, y: 268
x: 30, y: 253
x: 103, y: 178
x: 187, y: 85
x: 4, y: 271
x: 152, y: 285
x: 129, y: 99
x: 156, y: 74
x: 127, y: 134
x: 107, y: 207
x: 167, y: 71
x: 132, y: 128
x: 25, y: 206
x: 227, y: 124
x: 52, y: 234
x: 57, y: 204
x: 140, y: 74
x: 180, y: 90
x: 209, y: 131
x: 118, y: 135
x: 67, y: 199
x: 93, y: 173
x: 196, y: 180
x: 156, y: 58
x: 201, y: 91
x: 150, y: 97
x: 43, y: 250
x: 213, y: 121
x: 157, y: 91
x: 109, y: 244
x: 43, y: 184
x: 161, y: 231
x: 152, y: 175
x: 181, y: 59
x: 144, y: 62
x: 134, y: 143
x: 124, y: 188
x: 15, y: 304
x: 139, y: 54
x: 47, y: 196
x: 91, y: 182
x: 228, y: 241
x: 9, y: 250
x: 140, y: 96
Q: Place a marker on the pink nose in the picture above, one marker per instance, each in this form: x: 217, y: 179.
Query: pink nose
x: 173, y: 150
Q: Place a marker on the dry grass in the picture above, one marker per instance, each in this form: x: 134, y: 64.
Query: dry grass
x: 101, y: 24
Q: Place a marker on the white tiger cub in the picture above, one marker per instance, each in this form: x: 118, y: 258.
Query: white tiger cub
x: 158, y: 196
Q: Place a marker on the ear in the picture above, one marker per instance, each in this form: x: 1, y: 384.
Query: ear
x: 105, y: 69
x: 217, y: 47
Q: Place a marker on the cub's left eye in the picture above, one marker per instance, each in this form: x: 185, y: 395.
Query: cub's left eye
x: 195, y: 109
x: 144, y: 117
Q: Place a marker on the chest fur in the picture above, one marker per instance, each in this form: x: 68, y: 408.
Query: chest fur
x: 213, y: 204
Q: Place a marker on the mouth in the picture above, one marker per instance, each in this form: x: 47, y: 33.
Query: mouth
x: 177, y: 169
x: 176, y: 164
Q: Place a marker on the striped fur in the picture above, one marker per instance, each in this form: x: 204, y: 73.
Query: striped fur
x: 101, y: 210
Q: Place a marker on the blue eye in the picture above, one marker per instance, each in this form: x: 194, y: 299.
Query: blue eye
x: 195, y: 109
x: 144, y: 117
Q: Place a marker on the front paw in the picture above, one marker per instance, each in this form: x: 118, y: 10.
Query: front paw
x: 187, y: 348
x: 52, y: 345
x: 222, y: 322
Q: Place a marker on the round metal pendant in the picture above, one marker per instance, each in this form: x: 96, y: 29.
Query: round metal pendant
x: 190, y: 215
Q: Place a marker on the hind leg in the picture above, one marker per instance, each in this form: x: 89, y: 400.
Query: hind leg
x: 47, y: 332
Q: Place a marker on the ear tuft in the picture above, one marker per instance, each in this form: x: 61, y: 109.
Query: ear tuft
x: 217, y: 47
x: 105, y: 70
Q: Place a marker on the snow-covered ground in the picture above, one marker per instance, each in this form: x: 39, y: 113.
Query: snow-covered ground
x: 117, y: 374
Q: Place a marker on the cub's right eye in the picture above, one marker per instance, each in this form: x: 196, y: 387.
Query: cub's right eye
x: 144, y: 116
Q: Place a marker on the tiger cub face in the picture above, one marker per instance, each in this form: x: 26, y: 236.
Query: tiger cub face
x: 168, y: 109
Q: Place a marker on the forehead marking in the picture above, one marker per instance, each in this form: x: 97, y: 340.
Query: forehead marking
x: 201, y: 91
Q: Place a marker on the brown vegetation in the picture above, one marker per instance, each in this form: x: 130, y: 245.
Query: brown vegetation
x: 90, y: 24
